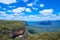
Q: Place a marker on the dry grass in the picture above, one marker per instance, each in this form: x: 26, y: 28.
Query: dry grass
x: 45, y: 36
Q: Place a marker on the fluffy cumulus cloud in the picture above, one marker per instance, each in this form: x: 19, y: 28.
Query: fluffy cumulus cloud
x: 35, y: 8
x: 57, y: 18
x: 46, y: 12
x: 30, y: 4
x: 28, y: 10
x: 42, y: 18
x: 16, y: 15
x: 21, y: 9
x: 25, y: 0
x: 42, y: 5
x: 33, y: 18
x: 19, y: 13
x: 34, y: 3
x: 5, y: 16
x: 2, y: 13
x: 7, y: 1
x: 18, y: 10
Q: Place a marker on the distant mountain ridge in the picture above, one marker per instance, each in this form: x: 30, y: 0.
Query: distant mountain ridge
x: 41, y: 22
x: 44, y: 25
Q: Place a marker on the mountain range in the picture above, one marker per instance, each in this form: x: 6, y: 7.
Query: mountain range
x: 47, y: 26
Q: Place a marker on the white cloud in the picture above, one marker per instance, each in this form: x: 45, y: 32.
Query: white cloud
x: 5, y: 16
x: 7, y: 1
x: 28, y: 10
x: 2, y: 13
x: 33, y: 16
x: 17, y: 15
x: 11, y: 16
x: 34, y: 3
x: 41, y: 5
x: 46, y: 12
x: 57, y: 18
x: 38, y: 18
x: 18, y: 10
x: 21, y: 10
x: 30, y: 4
x: 35, y: 8
x: 25, y: 0
x: 28, y: 18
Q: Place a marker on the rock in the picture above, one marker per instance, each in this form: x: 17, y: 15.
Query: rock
x: 18, y: 32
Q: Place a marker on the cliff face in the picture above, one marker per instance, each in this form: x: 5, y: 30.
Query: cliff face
x: 14, y: 28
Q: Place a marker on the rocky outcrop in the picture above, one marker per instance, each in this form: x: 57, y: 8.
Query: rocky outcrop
x: 17, y: 32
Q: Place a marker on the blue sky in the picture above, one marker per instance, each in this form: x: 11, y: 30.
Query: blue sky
x: 30, y: 10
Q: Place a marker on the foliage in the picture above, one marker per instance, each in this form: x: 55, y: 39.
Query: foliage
x: 30, y: 34
x: 6, y: 26
x: 45, y: 36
